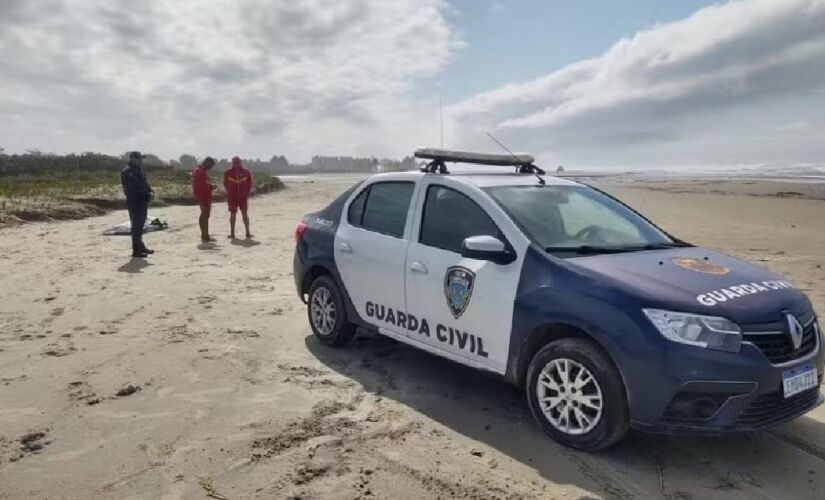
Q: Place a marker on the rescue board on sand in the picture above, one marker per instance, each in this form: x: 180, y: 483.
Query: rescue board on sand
x: 153, y: 223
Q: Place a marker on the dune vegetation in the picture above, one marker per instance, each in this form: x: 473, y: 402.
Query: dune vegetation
x: 36, y: 187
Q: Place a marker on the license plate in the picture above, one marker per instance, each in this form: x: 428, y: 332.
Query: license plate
x: 799, y: 380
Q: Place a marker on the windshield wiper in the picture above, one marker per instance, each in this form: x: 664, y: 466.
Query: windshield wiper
x: 592, y: 249
x: 662, y: 246
x: 589, y: 249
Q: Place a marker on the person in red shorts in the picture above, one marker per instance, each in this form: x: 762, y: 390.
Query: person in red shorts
x: 237, y: 181
x: 202, y: 192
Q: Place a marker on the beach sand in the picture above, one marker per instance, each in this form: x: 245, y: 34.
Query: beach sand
x: 195, y: 374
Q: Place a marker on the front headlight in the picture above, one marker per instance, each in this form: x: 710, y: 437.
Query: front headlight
x: 704, y: 331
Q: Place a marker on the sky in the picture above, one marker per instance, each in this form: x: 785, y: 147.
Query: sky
x: 589, y: 84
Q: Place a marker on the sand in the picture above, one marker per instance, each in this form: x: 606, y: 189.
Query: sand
x: 195, y: 375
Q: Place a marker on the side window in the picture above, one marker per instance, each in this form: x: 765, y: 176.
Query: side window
x: 384, y: 208
x: 356, y: 208
x: 450, y: 217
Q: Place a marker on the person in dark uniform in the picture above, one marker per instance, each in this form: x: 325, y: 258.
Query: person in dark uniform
x: 138, y: 195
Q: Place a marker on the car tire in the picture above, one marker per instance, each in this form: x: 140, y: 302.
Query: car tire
x: 327, y: 313
x: 567, y: 413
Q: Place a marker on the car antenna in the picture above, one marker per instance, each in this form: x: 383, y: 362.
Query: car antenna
x: 441, y: 119
x: 530, y: 168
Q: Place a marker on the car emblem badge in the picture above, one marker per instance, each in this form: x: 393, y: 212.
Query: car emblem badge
x: 458, y: 287
x: 794, y: 330
x: 700, y: 266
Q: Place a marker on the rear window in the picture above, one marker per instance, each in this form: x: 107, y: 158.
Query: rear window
x: 382, y: 207
x: 356, y: 208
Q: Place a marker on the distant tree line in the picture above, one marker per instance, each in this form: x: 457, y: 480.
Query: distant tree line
x: 274, y: 165
x: 34, y: 162
x: 279, y: 165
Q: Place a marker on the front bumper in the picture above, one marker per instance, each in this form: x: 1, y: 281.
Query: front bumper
x: 703, y: 392
x: 745, y: 415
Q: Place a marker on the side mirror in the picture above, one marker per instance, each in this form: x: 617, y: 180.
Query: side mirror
x: 486, y: 248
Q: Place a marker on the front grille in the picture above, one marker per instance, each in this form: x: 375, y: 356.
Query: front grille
x: 774, y: 408
x: 778, y: 348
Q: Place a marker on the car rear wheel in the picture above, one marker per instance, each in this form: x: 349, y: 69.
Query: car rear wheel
x: 576, y: 395
x: 327, y: 314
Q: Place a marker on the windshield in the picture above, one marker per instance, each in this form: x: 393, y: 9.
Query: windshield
x: 577, y: 219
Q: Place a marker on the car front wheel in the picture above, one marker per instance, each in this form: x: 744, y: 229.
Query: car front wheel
x: 576, y: 395
x: 327, y: 315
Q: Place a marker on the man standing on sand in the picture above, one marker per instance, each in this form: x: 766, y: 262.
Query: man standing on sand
x: 138, y: 195
x: 237, y: 181
x: 202, y: 192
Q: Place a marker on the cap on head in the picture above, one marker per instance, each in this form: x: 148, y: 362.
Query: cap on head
x: 136, y: 155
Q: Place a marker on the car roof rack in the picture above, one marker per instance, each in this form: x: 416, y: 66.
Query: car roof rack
x: 439, y: 157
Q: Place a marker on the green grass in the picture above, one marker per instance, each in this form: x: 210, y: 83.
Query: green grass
x: 81, y: 183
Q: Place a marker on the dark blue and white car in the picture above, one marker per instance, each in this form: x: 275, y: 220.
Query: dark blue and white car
x: 606, y: 321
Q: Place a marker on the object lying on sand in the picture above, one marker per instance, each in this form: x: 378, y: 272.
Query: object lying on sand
x: 153, y: 223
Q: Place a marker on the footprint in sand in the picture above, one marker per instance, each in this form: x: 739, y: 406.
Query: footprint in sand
x: 246, y: 332
x: 59, y: 349
x: 205, y: 300
x: 34, y: 442
x: 81, y: 391
x: 9, y: 380
x: 182, y: 333
x: 127, y: 390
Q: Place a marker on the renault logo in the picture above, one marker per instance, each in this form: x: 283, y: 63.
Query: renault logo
x: 794, y: 330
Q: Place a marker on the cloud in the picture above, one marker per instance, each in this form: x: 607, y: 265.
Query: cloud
x: 297, y: 77
x: 710, y: 88
x: 496, y: 8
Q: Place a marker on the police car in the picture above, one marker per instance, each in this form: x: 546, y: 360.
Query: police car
x: 606, y: 321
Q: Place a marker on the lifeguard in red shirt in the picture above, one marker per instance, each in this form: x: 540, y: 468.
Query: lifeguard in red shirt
x: 237, y: 181
x: 202, y: 192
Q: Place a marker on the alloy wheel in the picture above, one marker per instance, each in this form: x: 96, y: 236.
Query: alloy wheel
x: 322, y: 310
x: 569, y: 396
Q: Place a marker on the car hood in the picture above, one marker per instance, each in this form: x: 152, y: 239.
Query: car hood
x: 699, y: 280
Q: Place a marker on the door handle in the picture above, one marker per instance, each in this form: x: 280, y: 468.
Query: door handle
x: 345, y: 247
x: 418, y: 267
